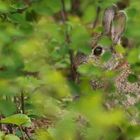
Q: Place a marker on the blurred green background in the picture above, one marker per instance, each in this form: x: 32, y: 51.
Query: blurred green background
x: 39, y: 98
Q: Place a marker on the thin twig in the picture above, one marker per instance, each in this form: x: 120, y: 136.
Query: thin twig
x: 67, y: 38
x: 26, y: 132
x: 63, y: 12
x: 22, y: 102
x: 22, y: 133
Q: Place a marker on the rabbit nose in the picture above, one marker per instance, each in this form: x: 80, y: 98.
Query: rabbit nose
x: 98, y: 51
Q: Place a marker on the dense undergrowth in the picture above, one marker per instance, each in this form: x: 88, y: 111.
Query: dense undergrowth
x: 40, y: 98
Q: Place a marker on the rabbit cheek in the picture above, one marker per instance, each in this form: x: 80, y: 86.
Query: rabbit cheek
x: 111, y: 65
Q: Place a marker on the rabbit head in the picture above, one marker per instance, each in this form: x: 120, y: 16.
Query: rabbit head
x: 114, y: 22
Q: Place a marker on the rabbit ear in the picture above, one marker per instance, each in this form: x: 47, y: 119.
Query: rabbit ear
x: 108, y: 18
x: 118, y: 26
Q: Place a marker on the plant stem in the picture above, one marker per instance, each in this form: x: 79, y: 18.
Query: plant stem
x: 25, y: 131
x: 68, y: 41
x: 22, y: 102
x: 63, y: 12
x: 23, y: 137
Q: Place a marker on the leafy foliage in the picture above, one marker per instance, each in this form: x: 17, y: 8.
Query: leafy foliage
x: 39, y: 40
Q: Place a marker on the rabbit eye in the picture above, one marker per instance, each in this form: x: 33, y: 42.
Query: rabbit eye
x: 98, y: 51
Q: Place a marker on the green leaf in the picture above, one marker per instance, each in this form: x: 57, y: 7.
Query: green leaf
x: 48, y: 6
x: 106, y: 4
x: 11, y: 137
x: 17, y: 119
x: 31, y: 16
x: 17, y: 5
x: 43, y: 135
x: 89, y: 70
x: 79, y: 39
x: 105, y: 41
x: 1, y: 135
x: 106, y: 56
x: 119, y: 49
x: 17, y: 18
x: 3, y: 7
x: 7, y: 111
x: 134, y: 56
x: 132, y: 78
x: 132, y: 12
x: 89, y: 14
x: 54, y: 5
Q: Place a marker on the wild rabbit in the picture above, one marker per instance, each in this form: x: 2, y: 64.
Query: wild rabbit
x: 114, y: 23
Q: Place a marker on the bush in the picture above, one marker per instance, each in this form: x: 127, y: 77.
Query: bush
x: 41, y: 96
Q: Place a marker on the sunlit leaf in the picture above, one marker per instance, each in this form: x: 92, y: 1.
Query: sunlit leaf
x: 3, y: 6
x: 133, y: 56
x: 89, y: 69
x: 17, y: 119
x: 119, y: 49
x: 2, y: 135
x: 11, y: 137
x: 43, y: 135
x: 105, y: 41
